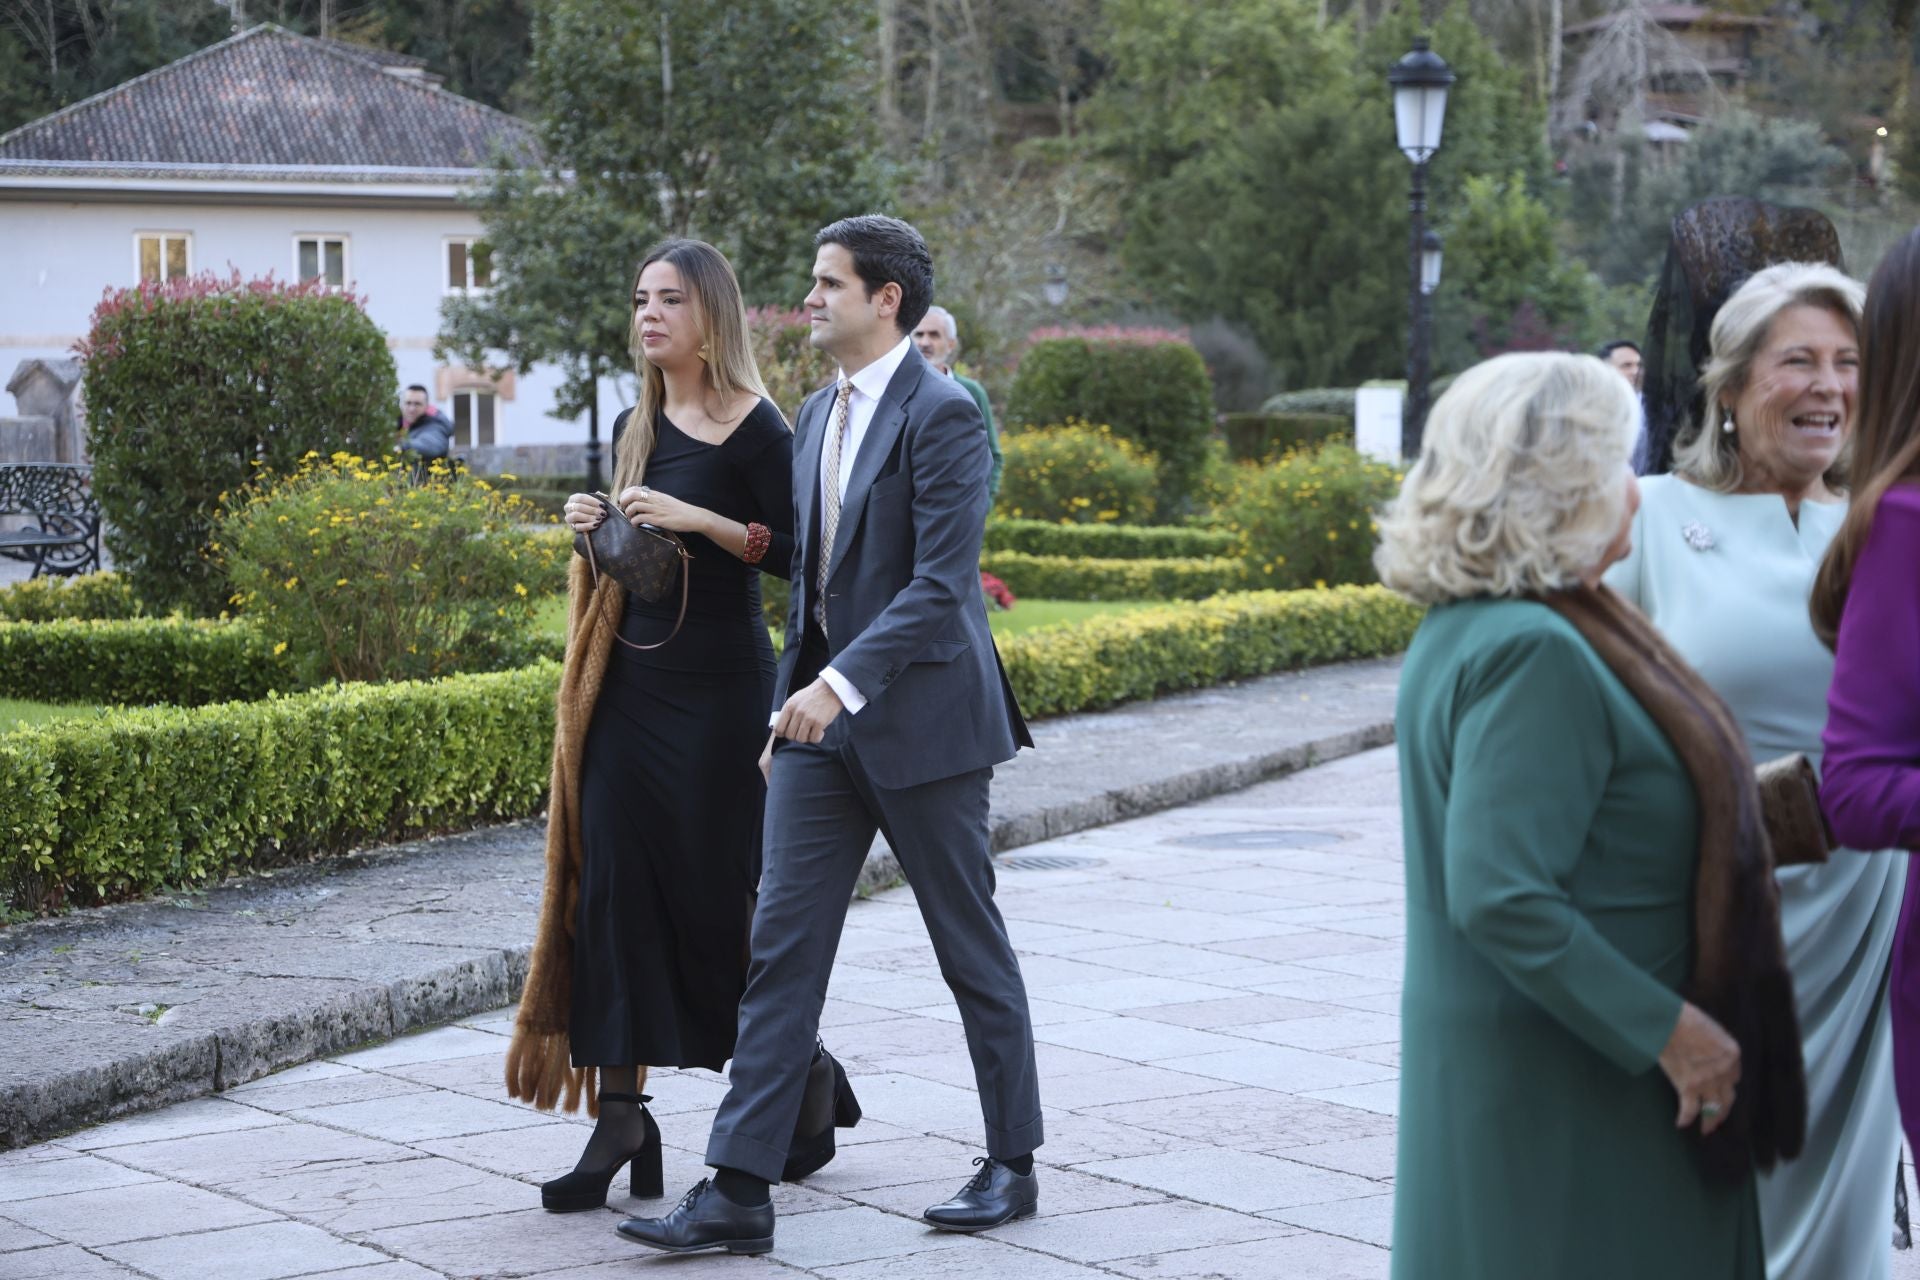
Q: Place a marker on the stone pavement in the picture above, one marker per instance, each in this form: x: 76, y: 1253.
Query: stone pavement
x: 1215, y: 991
x: 194, y: 991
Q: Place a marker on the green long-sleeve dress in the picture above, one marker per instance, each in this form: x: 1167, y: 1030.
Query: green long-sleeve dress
x: 1551, y: 839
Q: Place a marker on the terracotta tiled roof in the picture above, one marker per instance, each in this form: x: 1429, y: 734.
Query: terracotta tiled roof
x: 272, y: 98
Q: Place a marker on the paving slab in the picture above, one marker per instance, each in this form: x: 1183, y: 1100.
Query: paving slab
x: 1262, y: 1169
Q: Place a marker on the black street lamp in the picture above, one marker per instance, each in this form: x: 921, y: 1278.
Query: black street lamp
x: 1420, y: 82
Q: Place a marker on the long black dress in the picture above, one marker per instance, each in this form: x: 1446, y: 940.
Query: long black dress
x: 670, y: 789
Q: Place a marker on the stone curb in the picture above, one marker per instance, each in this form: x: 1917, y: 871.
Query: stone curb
x: 248, y: 1048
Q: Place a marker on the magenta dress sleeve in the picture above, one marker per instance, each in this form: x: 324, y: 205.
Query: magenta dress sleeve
x: 1870, y: 779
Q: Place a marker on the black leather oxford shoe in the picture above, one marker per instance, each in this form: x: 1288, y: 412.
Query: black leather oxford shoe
x: 995, y: 1195
x: 705, y: 1219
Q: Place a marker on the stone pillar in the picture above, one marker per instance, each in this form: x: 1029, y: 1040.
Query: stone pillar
x: 51, y: 389
x: 25, y: 440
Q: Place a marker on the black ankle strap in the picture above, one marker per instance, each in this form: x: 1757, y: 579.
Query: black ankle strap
x: 637, y: 1099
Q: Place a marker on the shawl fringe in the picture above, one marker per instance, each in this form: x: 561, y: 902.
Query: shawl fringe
x: 539, y: 1062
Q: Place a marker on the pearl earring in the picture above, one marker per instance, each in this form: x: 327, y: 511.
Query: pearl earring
x: 1726, y: 423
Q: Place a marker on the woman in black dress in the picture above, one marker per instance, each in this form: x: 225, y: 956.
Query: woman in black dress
x: 670, y: 792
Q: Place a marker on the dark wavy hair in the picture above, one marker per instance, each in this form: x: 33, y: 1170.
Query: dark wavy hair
x: 887, y: 251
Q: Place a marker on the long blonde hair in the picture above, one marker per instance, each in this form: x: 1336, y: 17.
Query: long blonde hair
x: 721, y: 315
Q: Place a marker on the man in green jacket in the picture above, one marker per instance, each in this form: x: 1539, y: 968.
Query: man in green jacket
x: 939, y: 341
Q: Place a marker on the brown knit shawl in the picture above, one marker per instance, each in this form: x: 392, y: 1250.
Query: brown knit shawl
x: 539, y: 1064
x: 1739, y: 975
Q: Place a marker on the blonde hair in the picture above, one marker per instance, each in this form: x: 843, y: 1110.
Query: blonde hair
x: 1521, y: 482
x: 729, y: 364
x: 1708, y: 456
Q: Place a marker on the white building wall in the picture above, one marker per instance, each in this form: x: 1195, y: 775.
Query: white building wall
x: 57, y: 258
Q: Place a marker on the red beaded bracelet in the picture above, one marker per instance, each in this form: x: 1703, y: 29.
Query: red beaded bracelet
x: 759, y: 538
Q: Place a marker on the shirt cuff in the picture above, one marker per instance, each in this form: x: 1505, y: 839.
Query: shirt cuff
x: 850, y: 696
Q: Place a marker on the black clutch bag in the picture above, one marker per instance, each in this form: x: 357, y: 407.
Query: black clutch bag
x: 642, y: 559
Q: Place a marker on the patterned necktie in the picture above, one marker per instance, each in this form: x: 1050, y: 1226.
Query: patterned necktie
x: 830, y: 513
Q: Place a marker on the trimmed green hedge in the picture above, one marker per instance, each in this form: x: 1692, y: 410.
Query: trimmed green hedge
x: 1256, y: 437
x: 92, y: 810
x: 99, y: 809
x: 1334, y: 400
x: 1137, y: 655
x: 184, y: 662
x: 1078, y: 578
x: 88, y: 595
x: 1106, y: 541
x: 139, y: 661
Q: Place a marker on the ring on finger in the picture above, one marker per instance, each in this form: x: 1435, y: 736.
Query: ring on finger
x: 1710, y: 1110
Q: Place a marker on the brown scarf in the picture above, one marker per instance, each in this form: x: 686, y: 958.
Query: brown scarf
x: 539, y: 1063
x: 1739, y: 975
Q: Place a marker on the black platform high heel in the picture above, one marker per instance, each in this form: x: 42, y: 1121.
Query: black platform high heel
x: 585, y: 1189
x: 829, y: 1104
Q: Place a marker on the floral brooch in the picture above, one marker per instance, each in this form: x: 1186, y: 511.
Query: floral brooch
x: 1698, y: 536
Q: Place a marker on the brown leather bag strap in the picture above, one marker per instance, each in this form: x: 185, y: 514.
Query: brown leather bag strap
x: 593, y: 566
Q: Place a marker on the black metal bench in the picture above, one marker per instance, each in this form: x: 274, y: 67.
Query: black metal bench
x: 48, y: 517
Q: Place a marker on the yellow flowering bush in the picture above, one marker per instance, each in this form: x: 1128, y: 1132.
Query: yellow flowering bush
x: 1308, y: 519
x: 356, y: 572
x: 1076, y: 473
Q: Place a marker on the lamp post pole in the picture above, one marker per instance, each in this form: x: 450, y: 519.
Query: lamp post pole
x: 1420, y: 82
x: 596, y: 482
x: 1420, y: 316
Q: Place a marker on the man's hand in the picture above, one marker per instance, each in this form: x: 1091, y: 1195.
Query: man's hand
x: 766, y: 761
x: 807, y: 713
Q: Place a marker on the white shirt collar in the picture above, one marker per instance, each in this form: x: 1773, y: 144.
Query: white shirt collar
x: 872, y: 381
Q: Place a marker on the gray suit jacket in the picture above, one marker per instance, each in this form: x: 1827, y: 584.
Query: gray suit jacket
x: 905, y: 620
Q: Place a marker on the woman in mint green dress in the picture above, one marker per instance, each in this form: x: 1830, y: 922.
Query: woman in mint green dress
x: 1551, y: 1068
x: 1724, y: 556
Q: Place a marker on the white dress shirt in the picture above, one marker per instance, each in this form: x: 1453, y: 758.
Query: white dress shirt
x: 869, y: 384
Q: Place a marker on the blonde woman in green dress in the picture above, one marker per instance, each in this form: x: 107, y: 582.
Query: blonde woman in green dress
x: 1724, y: 556
x: 1553, y: 1076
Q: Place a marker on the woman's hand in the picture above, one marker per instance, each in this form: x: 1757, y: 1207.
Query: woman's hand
x: 1703, y: 1062
x: 650, y: 506
x: 584, y: 512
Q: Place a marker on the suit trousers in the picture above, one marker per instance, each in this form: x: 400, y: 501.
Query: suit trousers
x: 822, y: 812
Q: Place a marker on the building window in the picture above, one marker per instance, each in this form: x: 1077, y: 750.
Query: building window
x: 473, y: 417
x: 320, y: 257
x: 160, y: 256
x: 469, y: 266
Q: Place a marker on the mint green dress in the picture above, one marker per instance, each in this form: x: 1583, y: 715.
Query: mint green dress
x: 1551, y: 838
x: 1726, y: 579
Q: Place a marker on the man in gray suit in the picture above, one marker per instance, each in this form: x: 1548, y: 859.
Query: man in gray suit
x: 890, y: 711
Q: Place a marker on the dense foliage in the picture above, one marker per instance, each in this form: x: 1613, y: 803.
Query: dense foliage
x: 357, y: 572
x: 1192, y: 645
x: 638, y: 107
x: 93, y: 810
x: 1077, y: 578
x: 193, y: 385
x: 89, y: 595
x: 140, y: 661
x: 1308, y: 519
x: 1074, y: 473
x: 1149, y: 388
x: 1105, y: 541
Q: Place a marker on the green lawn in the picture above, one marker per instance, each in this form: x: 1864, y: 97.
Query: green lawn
x: 1029, y: 615
x: 14, y: 712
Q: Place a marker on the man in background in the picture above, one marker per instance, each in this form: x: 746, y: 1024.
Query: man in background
x: 424, y: 430
x: 938, y: 339
x: 1624, y: 357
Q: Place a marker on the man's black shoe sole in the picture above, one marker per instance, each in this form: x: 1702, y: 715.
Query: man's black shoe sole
x: 1015, y: 1216
x: 764, y: 1244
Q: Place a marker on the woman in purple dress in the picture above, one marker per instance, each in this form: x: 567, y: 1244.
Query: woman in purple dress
x: 1866, y: 605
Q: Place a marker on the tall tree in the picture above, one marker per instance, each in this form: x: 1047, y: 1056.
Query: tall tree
x: 1263, y: 184
x: 747, y: 123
